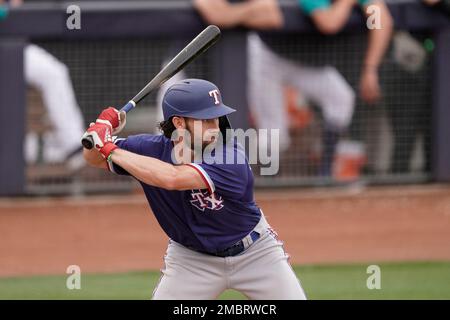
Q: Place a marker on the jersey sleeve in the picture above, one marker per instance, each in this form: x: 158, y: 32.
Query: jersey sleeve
x: 130, y: 144
x: 148, y: 145
x: 229, y: 180
x: 309, y: 6
x: 364, y: 2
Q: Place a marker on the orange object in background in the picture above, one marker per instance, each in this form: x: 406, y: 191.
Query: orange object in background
x: 299, y: 113
x: 349, y: 160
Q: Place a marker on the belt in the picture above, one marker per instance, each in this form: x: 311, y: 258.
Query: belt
x: 244, y: 243
x: 238, y: 247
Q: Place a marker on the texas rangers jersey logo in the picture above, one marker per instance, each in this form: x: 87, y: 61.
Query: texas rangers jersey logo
x: 203, y: 200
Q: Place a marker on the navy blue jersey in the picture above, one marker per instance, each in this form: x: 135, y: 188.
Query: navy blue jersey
x: 206, y: 220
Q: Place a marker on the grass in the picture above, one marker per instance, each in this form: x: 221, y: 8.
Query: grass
x: 423, y: 280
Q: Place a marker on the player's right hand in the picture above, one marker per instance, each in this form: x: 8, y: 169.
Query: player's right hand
x: 113, y: 118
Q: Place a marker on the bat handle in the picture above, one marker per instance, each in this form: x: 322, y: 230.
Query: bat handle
x: 88, y: 141
x: 130, y: 105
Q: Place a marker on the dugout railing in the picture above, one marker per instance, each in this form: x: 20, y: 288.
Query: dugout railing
x: 122, y: 44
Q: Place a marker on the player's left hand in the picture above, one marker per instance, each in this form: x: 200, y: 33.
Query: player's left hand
x: 114, y: 118
x: 369, y: 86
x: 101, y: 133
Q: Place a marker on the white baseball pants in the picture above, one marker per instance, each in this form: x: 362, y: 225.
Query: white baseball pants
x: 51, y: 77
x: 262, y: 272
x: 267, y: 75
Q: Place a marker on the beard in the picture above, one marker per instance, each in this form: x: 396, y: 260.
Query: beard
x: 195, y: 141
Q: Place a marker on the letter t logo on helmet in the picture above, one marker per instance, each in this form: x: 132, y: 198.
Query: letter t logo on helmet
x: 215, y: 94
x: 194, y: 98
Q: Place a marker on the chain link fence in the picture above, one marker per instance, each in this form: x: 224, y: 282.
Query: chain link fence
x: 387, y: 142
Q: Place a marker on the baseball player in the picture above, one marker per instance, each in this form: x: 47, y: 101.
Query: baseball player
x: 51, y: 77
x: 323, y: 85
x: 219, y: 237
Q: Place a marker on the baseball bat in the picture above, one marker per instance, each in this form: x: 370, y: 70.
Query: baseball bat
x: 197, y: 46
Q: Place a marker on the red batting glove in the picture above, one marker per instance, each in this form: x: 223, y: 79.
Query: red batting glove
x: 101, y: 133
x: 112, y: 117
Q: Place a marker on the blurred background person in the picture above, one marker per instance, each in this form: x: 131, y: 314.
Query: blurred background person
x: 269, y: 72
x: 51, y: 77
x: 323, y: 85
x: 407, y: 112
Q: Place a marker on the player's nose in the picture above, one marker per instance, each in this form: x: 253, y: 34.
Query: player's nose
x: 212, y: 123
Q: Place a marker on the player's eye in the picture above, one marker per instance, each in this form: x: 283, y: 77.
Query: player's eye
x: 214, y: 121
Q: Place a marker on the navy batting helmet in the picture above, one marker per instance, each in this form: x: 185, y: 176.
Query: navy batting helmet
x: 197, y: 99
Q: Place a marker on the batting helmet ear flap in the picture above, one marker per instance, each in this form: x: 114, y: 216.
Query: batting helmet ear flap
x: 224, y: 124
